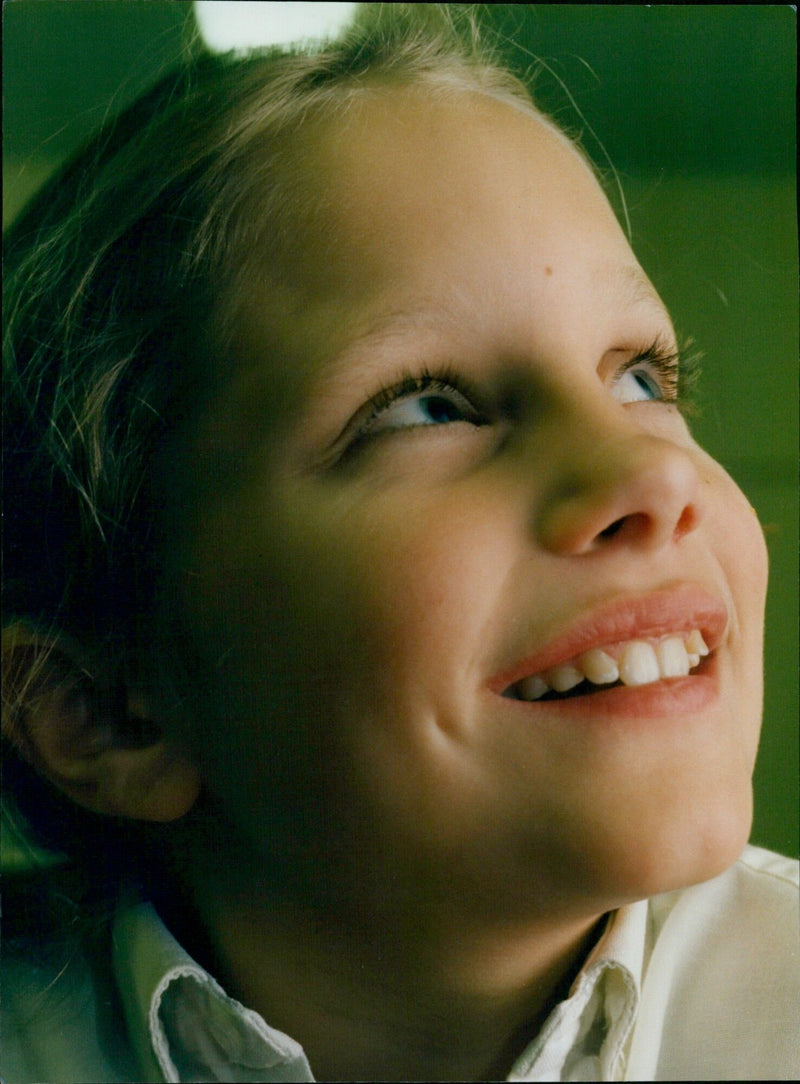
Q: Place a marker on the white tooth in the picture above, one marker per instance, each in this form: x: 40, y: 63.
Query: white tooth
x: 599, y: 667
x: 693, y: 660
x: 695, y: 644
x: 531, y: 688
x: 563, y: 678
x: 638, y: 664
x: 672, y: 658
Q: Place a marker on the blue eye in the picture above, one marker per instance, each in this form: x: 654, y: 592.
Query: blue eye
x: 430, y: 403
x: 651, y: 376
x: 423, y: 409
x: 637, y: 385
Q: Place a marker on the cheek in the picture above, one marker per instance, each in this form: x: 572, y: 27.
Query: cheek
x: 379, y: 589
x: 335, y: 635
x: 352, y: 631
x: 430, y: 577
x: 737, y: 542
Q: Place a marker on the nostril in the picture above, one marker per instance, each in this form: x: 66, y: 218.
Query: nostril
x: 686, y: 522
x: 612, y: 529
x: 643, y: 524
x: 636, y: 525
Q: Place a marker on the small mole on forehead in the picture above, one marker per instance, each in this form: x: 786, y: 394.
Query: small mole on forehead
x: 548, y: 270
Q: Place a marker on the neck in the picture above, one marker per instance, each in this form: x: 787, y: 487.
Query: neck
x: 424, y: 997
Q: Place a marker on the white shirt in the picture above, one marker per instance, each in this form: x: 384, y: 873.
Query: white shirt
x: 700, y: 984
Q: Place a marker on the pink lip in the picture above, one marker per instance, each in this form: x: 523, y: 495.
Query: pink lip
x: 679, y: 609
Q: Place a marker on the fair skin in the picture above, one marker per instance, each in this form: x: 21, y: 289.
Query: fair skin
x: 369, y: 584
x: 384, y: 571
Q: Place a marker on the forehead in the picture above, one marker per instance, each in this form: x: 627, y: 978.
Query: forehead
x: 400, y: 168
x: 409, y: 195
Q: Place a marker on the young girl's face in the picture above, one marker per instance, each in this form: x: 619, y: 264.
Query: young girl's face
x: 457, y: 465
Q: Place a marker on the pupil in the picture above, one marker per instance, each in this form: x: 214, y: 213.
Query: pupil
x: 440, y: 409
x: 645, y: 384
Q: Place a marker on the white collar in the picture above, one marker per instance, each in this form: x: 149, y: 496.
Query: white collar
x: 182, y: 1024
x: 184, y: 1027
x: 586, y: 1036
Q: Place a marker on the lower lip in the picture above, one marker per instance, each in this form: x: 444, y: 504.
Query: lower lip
x: 669, y: 697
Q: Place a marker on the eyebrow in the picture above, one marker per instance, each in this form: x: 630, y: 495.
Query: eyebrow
x: 627, y: 280
x: 426, y: 314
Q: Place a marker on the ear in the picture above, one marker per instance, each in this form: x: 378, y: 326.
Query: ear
x: 100, y: 746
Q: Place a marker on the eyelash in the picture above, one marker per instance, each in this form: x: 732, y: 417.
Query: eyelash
x: 410, y: 384
x: 424, y: 381
x: 677, y: 373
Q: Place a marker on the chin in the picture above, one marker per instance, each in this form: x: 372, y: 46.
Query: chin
x: 688, y: 848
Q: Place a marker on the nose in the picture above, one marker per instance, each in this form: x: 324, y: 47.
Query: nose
x: 629, y: 489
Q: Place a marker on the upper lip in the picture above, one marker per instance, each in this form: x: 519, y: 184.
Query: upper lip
x: 630, y: 617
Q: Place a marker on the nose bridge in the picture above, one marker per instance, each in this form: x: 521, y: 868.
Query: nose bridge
x: 614, y: 483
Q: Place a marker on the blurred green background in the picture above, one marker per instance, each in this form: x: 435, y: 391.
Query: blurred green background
x: 688, y: 111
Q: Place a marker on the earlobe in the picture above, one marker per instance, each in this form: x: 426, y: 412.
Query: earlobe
x: 100, y: 747
x: 154, y: 783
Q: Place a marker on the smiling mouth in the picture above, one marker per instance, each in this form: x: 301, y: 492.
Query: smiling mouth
x: 629, y: 663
